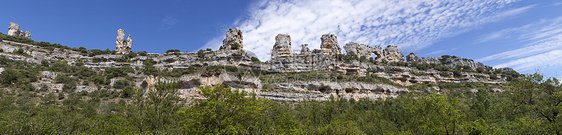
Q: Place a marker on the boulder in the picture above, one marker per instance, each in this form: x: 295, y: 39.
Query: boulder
x: 233, y: 40
x: 329, y: 45
x: 282, y: 47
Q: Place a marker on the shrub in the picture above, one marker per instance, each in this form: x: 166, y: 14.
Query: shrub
x: 255, y: 60
x: 173, y: 51
x: 234, y: 46
x: 201, y: 53
x: 143, y: 53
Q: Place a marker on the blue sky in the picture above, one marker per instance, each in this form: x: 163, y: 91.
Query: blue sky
x: 524, y: 35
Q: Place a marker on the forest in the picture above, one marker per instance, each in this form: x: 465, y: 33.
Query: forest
x: 531, y: 105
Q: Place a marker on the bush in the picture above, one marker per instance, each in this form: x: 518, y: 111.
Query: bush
x: 234, y: 46
x: 173, y: 51
x: 255, y: 60
x: 120, y: 84
x: 201, y: 53
x: 143, y: 53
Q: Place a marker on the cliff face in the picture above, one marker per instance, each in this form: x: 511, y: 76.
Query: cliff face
x: 284, y: 63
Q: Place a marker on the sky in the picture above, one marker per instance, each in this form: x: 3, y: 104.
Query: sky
x: 522, y: 34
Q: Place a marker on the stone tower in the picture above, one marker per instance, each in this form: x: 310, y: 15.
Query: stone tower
x: 123, y: 46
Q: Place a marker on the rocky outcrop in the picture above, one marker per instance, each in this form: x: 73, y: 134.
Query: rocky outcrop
x: 392, y: 54
x: 14, y: 30
x: 305, y: 50
x: 123, y: 46
x: 453, y: 62
x: 48, y: 76
x: 233, y: 40
x: 282, y: 47
x: 85, y: 88
x: 329, y: 45
x: 49, y: 87
x: 412, y: 57
x: 359, y: 49
x: 322, y: 90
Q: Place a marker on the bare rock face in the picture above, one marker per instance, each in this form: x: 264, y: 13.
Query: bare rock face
x: 282, y: 47
x: 14, y: 30
x: 359, y: 49
x: 330, y: 45
x: 123, y: 46
x: 392, y: 54
x: 378, y: 52
x: 233, y: 40
x: 412, y: 57
x: 305, y: 50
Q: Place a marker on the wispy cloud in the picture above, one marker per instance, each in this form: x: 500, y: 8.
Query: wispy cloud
x: 441, y: 51
x: 540, y: 61
x: 531, y: 32
x: 168, y: 22
x: 541, y: 54
x: 412, y: 24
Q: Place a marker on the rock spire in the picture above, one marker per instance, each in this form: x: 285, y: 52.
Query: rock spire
x: 123, y: 46
x: 14, y: 30
x: 330, y: 45
x: 233, y: 40
x: 282, y: 47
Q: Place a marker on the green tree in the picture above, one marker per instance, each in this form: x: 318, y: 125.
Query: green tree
x: 224, y: 111
x: 539, y: 100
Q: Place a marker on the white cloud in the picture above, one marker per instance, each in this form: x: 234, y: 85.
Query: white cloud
x: 168, y: 22
x: 546, y: 35
x: 545, y: 54
x: 543, y: 61
x: 535, y: 31
x: 412, y: 24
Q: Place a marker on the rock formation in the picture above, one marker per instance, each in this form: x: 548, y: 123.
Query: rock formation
x: 359, y: 49
x: 282, y: 47
x: 233, y: 40
x: 330, y: 45
x: 305, y: 50
x: 378, y: 52
x: 14, y: 30
x: 412, y: 57
x: 453, y: 62
x: 123, y: 46
x: 392, y: 54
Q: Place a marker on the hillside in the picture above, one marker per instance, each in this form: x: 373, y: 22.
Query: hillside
x: 320, y: 91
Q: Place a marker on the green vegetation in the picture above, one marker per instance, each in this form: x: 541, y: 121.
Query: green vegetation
x: 173, y: 51
x: 530, y: 104
x: 234, y: 46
